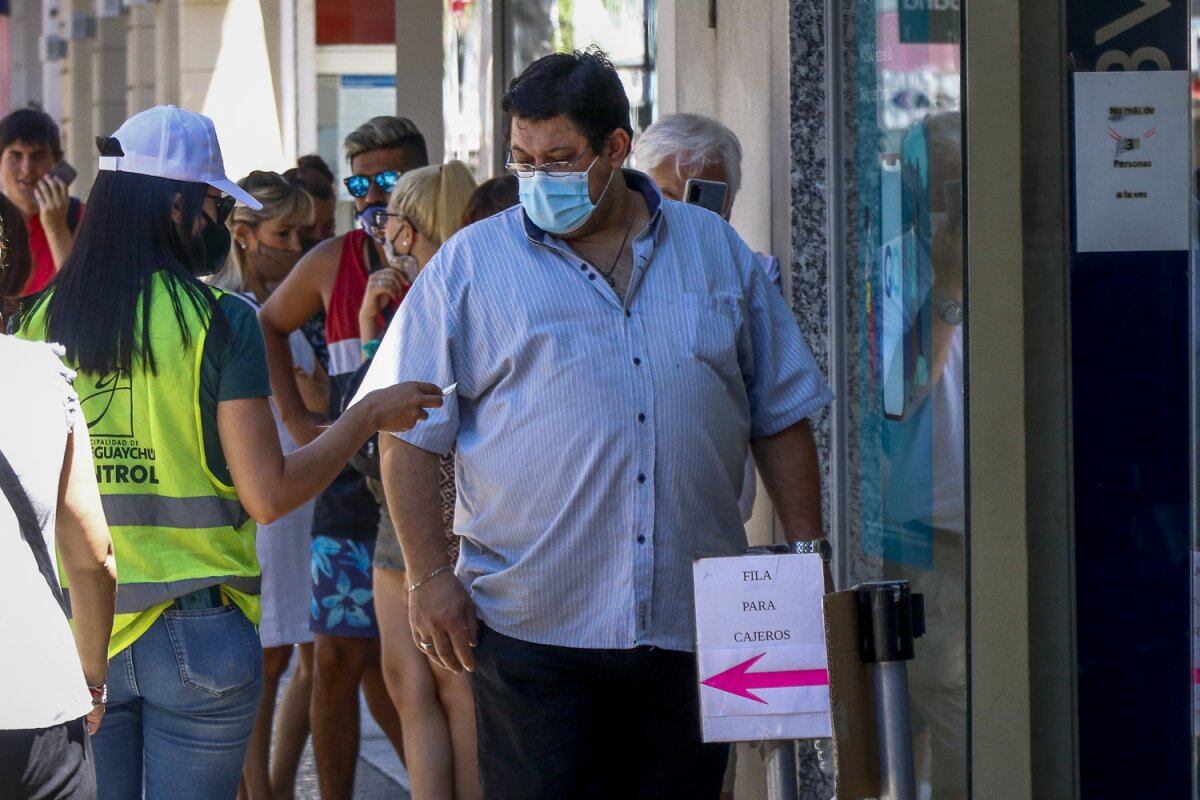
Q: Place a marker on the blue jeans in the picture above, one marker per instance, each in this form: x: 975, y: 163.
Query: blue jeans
x: 181, y: 704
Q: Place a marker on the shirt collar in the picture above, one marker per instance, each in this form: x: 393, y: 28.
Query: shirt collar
x: 639, y: 182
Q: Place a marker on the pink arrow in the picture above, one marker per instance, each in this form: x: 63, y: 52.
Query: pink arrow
x: 740, y: 680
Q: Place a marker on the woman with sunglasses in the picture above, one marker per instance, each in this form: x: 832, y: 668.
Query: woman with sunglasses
x: 172, y: 383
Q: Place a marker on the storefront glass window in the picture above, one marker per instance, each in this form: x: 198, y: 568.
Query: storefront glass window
x: 624, y: 29
x: 620, y: 28
x: 905, y: 353
x: 467, y: 96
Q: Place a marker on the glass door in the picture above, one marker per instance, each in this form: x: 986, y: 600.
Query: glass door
x: 903, y: 350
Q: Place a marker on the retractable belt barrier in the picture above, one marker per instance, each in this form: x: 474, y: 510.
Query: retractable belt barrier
x: 890, y: 617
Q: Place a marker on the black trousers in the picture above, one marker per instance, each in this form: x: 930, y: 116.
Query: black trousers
x: 562, y: 723
x: 47, y: 763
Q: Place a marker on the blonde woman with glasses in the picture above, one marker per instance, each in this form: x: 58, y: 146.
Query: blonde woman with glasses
x: 436, y: 708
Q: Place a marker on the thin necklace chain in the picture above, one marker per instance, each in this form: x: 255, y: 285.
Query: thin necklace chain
x: 608, y: 276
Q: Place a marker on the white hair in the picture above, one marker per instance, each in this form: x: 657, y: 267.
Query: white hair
x: 694, y: 141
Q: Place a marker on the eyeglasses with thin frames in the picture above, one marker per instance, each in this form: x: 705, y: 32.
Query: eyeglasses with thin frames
x: 553, y: 169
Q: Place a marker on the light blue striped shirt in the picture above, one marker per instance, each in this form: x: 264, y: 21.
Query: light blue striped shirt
x: 600, y: 442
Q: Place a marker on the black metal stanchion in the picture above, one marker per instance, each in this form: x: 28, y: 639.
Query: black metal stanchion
x: 890, y: 616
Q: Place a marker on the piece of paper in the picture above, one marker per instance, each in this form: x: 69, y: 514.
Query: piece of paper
x: 760, y: 643
x: 1132, y: 161
x: 449, y: 390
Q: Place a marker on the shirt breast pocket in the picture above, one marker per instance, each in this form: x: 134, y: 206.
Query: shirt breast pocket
x: 711, y: 326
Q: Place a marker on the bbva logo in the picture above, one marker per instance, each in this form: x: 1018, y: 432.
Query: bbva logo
x: 932, y: 5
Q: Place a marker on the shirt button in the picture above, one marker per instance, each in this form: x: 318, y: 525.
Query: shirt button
x: 641, y: 478
x: 641, y: 539
x: 637, y: 362
x: 628, y: 313
x: 583, y: 267
x: 641, y: 417
x: 591, y: 276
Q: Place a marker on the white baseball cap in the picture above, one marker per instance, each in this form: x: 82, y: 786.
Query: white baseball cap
x: 168, y: 142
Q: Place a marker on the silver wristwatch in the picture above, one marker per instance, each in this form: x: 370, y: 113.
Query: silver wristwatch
x: 951, y: 311
x: 820, y: 547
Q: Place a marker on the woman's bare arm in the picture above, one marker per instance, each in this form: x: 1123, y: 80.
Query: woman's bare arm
x: 86, y: 550
x: 270, y: 484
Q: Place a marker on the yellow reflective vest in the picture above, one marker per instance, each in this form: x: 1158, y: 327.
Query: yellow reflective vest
x: 176, y: 527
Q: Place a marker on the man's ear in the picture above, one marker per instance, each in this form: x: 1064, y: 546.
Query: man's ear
x: 618, y: 145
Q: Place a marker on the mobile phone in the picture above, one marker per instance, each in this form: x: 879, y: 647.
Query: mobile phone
x: 706, y: 194
x: 64, y: 172
x: 892, y: 344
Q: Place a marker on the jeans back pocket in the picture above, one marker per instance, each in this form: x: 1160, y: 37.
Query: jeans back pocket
x: 217, y: 648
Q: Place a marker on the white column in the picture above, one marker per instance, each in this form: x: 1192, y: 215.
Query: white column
x: 419, y: 60
x: 140, y: 63
x: 25, y: 32
x: 52, y: 22
x: 687, y: 56
x: 306, y: 76
x: 108, y: 83
x: 76, y: 111
x: 166, y: 52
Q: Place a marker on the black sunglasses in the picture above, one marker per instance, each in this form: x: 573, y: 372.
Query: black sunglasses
x: 225, y: 204
x: 360, y: 185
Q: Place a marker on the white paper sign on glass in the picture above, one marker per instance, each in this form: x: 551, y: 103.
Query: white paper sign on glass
x: 760, y: 646
x: 1132, y: 161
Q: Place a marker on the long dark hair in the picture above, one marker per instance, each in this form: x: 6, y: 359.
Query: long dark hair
x: 17, y: 262
x: 98, y: 306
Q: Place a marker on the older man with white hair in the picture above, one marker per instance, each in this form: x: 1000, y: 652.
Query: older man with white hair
x: 680, y: 147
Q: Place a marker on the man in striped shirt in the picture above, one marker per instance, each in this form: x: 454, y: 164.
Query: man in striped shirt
x: 613, y: 353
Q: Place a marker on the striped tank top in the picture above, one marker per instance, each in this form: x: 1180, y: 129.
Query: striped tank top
x: 346, y: 509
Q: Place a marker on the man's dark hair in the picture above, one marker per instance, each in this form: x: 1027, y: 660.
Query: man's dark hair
x: 582, y: 86
x: 16, y: 262
x: 31, y: 126
x: 313, y: 175
x: 491, y: 197
x: 315, y: 162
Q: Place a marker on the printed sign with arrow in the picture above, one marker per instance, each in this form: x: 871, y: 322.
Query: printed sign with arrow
x: 760, y: 647
x: 739, y: 680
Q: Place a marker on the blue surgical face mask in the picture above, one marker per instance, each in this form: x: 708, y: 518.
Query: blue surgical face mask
x: 558, y: 204
x: 365, y: 220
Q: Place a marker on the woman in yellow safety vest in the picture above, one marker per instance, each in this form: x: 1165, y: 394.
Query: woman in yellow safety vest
x: 173, y: 384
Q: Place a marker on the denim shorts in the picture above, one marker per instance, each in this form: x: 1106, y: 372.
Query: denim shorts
x: 388, y: 554
x: 343, y: 599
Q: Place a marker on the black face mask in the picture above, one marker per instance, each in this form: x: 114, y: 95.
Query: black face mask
x: 211, y: 248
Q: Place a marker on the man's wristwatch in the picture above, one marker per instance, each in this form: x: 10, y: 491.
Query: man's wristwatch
x: 951, y: 311
x: 820, y: 547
